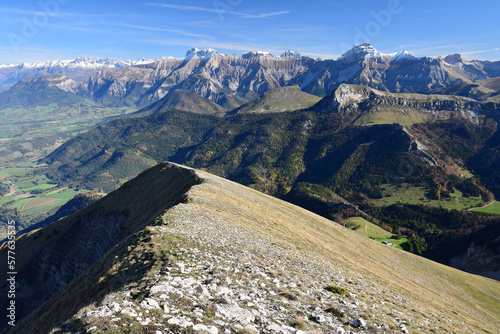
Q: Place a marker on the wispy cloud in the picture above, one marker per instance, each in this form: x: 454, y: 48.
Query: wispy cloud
x: 438, y: 10
x: 31, y: 53
x: 5, y: 10
x: 321, y: 55
x: 212, y: 44
x: 222, y: 46
x: 435, y: 50
x: 468, y: 54
x: 220, y: 11
x: 147, y: 28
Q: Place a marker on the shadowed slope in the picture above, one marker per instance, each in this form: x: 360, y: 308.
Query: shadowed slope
x: 50, y: 258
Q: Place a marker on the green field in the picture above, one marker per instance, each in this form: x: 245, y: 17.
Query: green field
x: 34, y: 195
x: 6, y: 199
x: 44, y: 186
x: 31, y: 181
x: 64, y: 194
x: 364, y: 227
x: 372, y: 231
x: 389, y: 117
x: 13, y: 171
x: 43, y: 202
x: 404, y: 193
x: 492, y: 209
x: 19, y: 203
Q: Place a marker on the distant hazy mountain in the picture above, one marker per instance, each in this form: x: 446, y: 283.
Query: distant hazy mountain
x: 41, y: 91
x: 78, y: 68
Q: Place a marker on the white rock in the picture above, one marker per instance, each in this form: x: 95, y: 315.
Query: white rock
x: 115, y: 307
x: 340, y: 330
x: 187, y: 282
x: 163, y: 288
x: 243, y: 296
x: 181, y: 266
x: 273, y: 327
x: 232, y: 311
x: 149, y: 304
x: 319, y: 318
x: 180, y: 321
x: 174, y: 321
x: 200, y: 327
x: 357, y: 323
x: 251, y: 328
x: 128, y: 311
x: 224, y: 291
x: 403, y: 329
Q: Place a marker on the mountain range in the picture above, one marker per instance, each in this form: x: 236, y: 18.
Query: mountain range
x: 77, y: 69
x: 231, y: 80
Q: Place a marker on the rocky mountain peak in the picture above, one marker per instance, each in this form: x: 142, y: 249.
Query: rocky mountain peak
x: 367, y: 51
x: 200, y: 53
x: 255, y: 54
x: 360, y: 52
x: 454, y: 58
x: 345, y: 95
x: 403, y: 55
x: 291, y: 54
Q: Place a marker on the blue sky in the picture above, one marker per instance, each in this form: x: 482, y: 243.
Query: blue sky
x: 64, y: 29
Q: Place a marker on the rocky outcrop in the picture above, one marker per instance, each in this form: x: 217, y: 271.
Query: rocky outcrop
x: 347, y: 98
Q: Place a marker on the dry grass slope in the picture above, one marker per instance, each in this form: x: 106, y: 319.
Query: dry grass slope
x: 224, y: 220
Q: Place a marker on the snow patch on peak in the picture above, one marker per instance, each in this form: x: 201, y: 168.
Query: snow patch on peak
x: 366, y: 50
x: 255, y: 54
x: 144, y: 61
x: 402, y: 55
x: 291, y: 54
x: 199, y: 53
x: 361, y: 52
x: 80, y: 62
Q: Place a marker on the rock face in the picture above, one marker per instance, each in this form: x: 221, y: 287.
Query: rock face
x: 54, y: 80
x: 348, y: 98
x: 231, y: 80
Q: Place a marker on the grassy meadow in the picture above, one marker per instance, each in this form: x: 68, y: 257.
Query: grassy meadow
x: 372, y: 231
